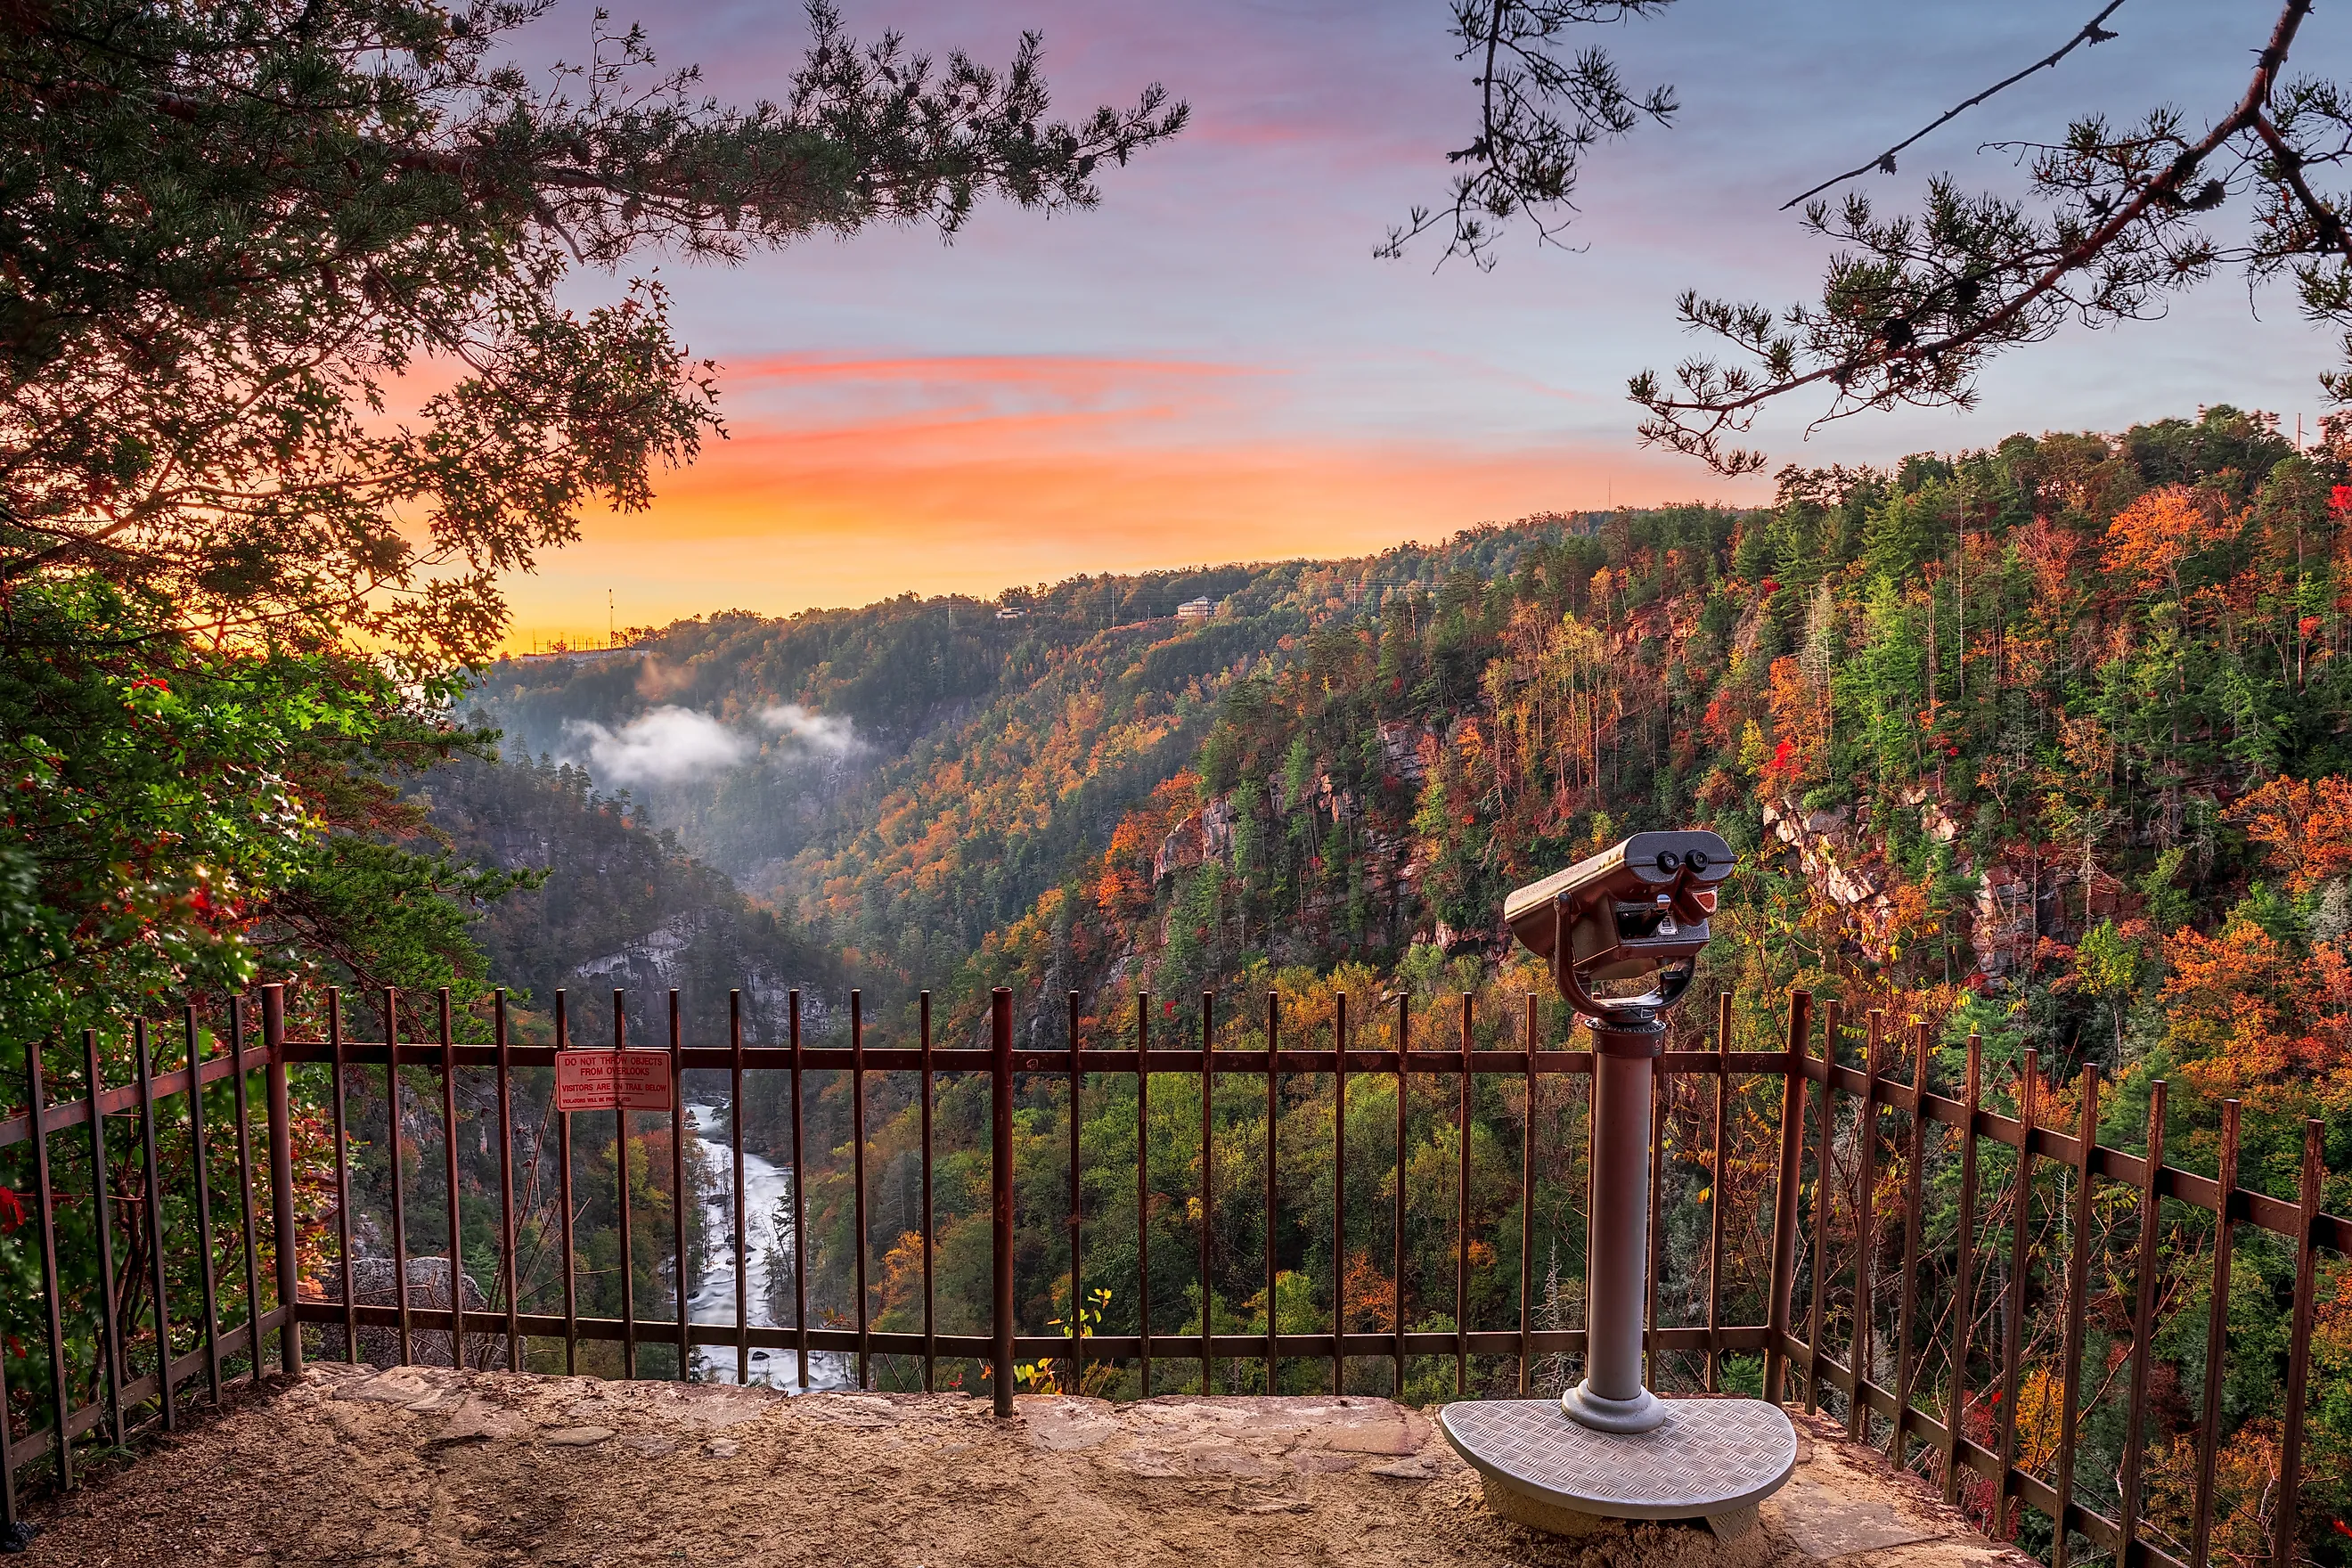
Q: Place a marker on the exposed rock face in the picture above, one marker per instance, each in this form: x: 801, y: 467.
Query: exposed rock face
x: 1390, y: 872
x: 1838, y: 861
x: 1935, y: 821
x: 1181, y: 848
x: 1402, y: 753
x: 428, y: 1465
x: 1217, y: 820
x: 655, y: 961
x: 2005, y: 927
x: 1841, y: 856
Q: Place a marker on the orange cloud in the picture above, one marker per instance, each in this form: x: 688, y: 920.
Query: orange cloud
x: 808, y: 394
x: 999, y: 472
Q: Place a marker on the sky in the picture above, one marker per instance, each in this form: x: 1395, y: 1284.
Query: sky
x: 1212, y: 367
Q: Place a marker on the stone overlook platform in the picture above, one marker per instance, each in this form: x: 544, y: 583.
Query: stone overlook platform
x: 429, y: 1466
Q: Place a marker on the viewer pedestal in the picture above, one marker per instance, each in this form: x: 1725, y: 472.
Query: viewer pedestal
x: 1608, y: 1447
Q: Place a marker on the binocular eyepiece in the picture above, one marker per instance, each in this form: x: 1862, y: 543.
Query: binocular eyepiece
x: 1635, y: 911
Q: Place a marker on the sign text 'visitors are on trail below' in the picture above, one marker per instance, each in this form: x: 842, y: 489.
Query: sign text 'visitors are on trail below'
x: 612, y: 1080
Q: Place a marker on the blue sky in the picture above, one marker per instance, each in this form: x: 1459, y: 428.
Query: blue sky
x: 1211, y: 365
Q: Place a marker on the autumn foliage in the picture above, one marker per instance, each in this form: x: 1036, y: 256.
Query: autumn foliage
x: 2150, y: 538
x: 2306, y: 827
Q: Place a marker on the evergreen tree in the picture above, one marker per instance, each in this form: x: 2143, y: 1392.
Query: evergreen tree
x: 1899, y: 534
x: 232, y: 231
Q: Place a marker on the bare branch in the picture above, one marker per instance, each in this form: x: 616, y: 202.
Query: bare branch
x: 2091, y: 32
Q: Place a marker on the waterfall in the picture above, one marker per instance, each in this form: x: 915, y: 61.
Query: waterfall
x: 767, y: 1241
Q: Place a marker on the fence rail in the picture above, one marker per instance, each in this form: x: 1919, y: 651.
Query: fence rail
x: 1915, y: 1360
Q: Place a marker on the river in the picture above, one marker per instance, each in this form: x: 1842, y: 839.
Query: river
x: 767, y: 1244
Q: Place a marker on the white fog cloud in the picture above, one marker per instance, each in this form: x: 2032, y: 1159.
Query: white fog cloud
x: 816, y: 730
x: 665, y: 745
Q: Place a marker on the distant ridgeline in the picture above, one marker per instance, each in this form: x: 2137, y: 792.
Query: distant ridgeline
x: 909, y: 777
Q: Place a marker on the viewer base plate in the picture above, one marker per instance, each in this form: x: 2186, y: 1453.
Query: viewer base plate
x: 1710, y: 1456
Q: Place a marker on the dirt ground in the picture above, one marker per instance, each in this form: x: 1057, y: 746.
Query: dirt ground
x: 428, y: 1465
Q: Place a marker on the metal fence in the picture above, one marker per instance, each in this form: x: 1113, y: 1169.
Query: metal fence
x: 122, y: 1388
x: 2002, y: 1304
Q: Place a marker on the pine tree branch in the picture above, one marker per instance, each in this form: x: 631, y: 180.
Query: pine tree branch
x: 2326, y: 223
x: 1932, y: 369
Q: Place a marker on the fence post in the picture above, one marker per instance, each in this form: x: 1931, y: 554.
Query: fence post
x: 281, y: 1177
x: 2298, y: 1366
x: 52, y: 1283
x: 1000, y: 1159
x: 16, y: 1533
x: 1784, y: 1211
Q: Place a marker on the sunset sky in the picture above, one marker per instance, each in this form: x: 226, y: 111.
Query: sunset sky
x: 1212, y: 367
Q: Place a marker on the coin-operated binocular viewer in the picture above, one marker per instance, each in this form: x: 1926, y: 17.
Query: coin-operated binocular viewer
x: 1633, y: 916
x: 1623, y: 932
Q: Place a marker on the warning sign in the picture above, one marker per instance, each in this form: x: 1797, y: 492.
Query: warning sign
x: 612, y: 1080
x: 641, y: 1079
x: 583, y: 1081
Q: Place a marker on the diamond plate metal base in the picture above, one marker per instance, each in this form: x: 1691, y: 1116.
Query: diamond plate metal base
x: 1711, y: 1456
